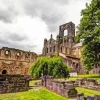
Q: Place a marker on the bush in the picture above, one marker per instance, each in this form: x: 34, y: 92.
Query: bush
x: 49, y: 66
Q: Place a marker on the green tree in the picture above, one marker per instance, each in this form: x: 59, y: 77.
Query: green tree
x: 89, y: 33
x: 49, y: 66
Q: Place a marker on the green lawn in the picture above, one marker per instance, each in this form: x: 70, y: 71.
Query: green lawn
x: 93, y: 76
x: 87, y: 92
x: 42, y: 94
x: 31, y: 83
x: 33, y: 94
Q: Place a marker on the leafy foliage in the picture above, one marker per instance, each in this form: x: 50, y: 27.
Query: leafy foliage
x: 49, y: 66
x: 89, y: 32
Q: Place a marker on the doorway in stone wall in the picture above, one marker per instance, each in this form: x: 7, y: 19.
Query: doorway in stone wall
x: 4, y: 72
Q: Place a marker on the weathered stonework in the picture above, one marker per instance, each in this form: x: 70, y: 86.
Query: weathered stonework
x: 14, y: 83
x: 81, y: 96
x: 65, y: 46
x: 64, y: 88
x: 88, y: 83
x: 15, y: 61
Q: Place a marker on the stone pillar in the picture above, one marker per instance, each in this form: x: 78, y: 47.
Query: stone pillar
x: 97, y: 97
x: 80, y: 96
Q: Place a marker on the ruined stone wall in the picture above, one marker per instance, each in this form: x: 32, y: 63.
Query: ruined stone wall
x: 81, y: 96
x: 67, y: 38
x: 76, y: 52
x: 64, y: 88
x: 65, y: 44
x: 14, y: 83
x: 15, y: 61
x: 50, y: 47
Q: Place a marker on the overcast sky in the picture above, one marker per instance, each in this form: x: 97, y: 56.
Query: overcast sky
x: 25, y: 23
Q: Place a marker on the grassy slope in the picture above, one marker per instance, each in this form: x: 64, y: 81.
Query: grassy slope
x: 41, y: 94
x: 87, y: 92
x: 31, y: 83
x: 44, y: 94
x: 93, y: 76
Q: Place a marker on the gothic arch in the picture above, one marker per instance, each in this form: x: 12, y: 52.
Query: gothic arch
x: 65, y: 32
x: 4, y: 70
x: 17, y: 70
x: 7, y: 53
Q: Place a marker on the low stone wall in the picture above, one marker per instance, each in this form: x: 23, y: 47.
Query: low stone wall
x: 64, y: 88
x: 88, y: 83
x: 82, y: 97
x: 14, y: 83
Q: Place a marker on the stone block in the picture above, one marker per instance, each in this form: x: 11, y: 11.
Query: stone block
x: 9, y: 83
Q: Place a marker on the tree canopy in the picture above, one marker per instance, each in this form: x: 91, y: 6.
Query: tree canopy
x: 49, y: 66
x: 89, y: 33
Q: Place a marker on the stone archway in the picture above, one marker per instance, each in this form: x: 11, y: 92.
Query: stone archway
x: 17, y: 70
x: 4, y: 71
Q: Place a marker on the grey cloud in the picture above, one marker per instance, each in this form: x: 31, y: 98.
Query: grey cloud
x: 3, y: 41
x: 17, y: 45
x: 8, y: 11
x: 61, y: 2
x: 16, y: 41
x: 51, y: 11
x: 3, y: 17
x: 17, y: 37
x: 6, y: 16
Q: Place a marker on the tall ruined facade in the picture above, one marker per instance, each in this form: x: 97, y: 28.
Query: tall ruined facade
x: 15, y: 61
x: 65, y: 46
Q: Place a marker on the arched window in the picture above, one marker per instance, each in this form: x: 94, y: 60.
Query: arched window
x: 7, y: 52
x: 4, y: 72
x: 27, y: 55
x: 65, y: 32
x: 50, y: 49
x: 66, y: 50
x: 61, y: 49
x: 47, y: 50
x: 18, y: 55
x: 54, y: 48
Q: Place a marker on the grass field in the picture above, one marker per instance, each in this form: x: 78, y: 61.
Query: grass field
x: 87, y: 92
x: 44, y: 94
x: 31, y: 83
x: 41, y: 94
x: 33, y: 94
x: 92, y: 76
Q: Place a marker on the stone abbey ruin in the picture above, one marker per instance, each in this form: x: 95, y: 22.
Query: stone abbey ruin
x: 15, y: 61
x: 67, y: 88
x: 15, y: 65
x: 14, y: 69
x: 66, y: 47
x: 14, y: 83
x: 64, y: 88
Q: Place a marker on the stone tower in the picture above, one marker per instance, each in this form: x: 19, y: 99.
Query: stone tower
x: 67, y: 33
